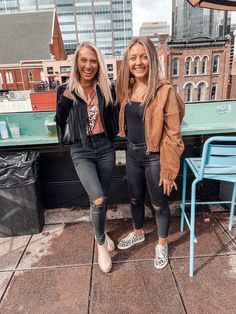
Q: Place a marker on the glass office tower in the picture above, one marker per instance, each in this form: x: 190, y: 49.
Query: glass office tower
x: 107, y: 23
x: 189, y: 22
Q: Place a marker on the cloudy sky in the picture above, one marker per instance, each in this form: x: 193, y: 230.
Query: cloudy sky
x: 152, y: 11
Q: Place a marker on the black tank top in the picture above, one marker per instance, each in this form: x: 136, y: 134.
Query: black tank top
x: 134, y: 122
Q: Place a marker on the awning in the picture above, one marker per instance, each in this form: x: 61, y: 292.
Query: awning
x: 215, y: 4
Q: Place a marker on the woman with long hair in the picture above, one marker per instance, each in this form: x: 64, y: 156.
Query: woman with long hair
x: 86, y: 117
x: 150, y: 116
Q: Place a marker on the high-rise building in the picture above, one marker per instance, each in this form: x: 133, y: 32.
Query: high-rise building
x: 153, y: 30
x: 150, y: 28
x: 190, y: 22
x: 107, y: 23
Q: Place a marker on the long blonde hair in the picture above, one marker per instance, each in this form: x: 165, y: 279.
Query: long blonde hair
x: 101, y: 78
x: 125, y: 79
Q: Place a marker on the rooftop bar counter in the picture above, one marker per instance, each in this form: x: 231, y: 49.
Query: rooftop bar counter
x: 60, y: 185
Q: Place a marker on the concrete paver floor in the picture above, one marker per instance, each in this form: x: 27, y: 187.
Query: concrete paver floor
x: 56, y: 271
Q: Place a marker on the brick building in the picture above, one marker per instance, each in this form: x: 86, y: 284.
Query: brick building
x: 200, y: 69
x: 26, y: 40
x: 233, y: 64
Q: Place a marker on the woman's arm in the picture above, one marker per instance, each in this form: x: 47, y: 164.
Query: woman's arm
x: 64, y: 103
x: 172, y: 145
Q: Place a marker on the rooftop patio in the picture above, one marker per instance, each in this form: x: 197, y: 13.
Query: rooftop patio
x: 56, y: 271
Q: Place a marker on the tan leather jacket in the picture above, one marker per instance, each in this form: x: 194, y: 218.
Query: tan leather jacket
x: 163, y: 117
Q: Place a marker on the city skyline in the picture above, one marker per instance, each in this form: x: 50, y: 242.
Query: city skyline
x: 143, y: 11
x: 189, y: 22
x: 155, y: 12
x: 107, y: 24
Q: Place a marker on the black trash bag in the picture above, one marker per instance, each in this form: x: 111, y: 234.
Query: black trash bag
x: 21, y: 209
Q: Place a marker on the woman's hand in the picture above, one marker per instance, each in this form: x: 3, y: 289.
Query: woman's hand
x: 167, y: 185
x: 67, y: 93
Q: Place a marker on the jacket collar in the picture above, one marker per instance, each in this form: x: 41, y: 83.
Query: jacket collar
x: 161, y: 83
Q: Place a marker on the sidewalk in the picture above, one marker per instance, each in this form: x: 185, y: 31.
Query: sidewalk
x: 56, y: 271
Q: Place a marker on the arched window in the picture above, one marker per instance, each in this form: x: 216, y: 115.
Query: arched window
x: 11, y: 78
x: 214, y: 91
x: 7, y: 77
x: 30, y: 77
x: 204, y: 65
x: 175, y: 67
x: 188, y: 92
x: 201, y: 91
x: 195, y: 65
x: 187, y: 66
x: 42, y: 76
x: 215, y: 64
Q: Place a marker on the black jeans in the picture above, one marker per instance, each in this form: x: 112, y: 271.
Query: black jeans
x: 143, y: 168
x: 95, y: 165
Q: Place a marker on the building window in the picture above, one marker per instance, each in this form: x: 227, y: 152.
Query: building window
x: 204, y: 65
x: 175, y: 67
x: 214, y: 91
x: 188, y: 92
x: 110, y: 67
x: 187, y: 66
x: 30, y: 77
x: 50, y: 70
x: 65, y: 69
x: 110, y: 76
x: 9, y: 77
x: 195, y: 65
x: 201, y: 92
x: 1, y: 79
x: 215, y: 65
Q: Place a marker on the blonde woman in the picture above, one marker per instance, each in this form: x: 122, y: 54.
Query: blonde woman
x: 86, y: 118
x: 150, y: 116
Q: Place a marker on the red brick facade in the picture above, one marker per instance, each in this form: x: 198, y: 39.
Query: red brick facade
x: 200, y: 70
x: 24, y: 76
x: 57, y: 47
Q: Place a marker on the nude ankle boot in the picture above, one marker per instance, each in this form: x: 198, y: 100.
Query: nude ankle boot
x: 104, y: 259
x: 110, y: 243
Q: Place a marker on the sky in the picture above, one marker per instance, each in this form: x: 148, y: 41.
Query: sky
x: 154, y: 11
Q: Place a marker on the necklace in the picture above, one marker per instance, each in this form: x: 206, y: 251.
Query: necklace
x: 138, y: 94
x: 89, y: 93
x: 90, y: 98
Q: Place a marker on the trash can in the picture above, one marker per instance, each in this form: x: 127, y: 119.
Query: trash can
x: 21, y: 209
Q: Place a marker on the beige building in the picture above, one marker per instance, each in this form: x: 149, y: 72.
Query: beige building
x: 154, y: 30
x: 60, y: 70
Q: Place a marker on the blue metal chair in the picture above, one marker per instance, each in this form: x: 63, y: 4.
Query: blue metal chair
x: 218, y: 162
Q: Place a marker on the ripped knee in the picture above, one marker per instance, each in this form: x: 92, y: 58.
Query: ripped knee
x: 134, y: 201
x: 156, y: 208
x: 99, y: 201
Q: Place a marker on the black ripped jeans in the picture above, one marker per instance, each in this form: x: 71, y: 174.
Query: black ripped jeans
x: 143, y: 168
x: 94, y: 166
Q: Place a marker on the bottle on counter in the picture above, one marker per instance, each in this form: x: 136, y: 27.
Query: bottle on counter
x: 3, y: 130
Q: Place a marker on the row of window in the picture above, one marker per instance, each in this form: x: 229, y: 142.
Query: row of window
x: 63, y: 69
x: 9, y: 77
x: 108, y: 30
x: 201, y: 91
x: 196, y: 66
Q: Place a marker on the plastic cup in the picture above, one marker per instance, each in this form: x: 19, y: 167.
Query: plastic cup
x: 50, y: 126
x: 14, y: 129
